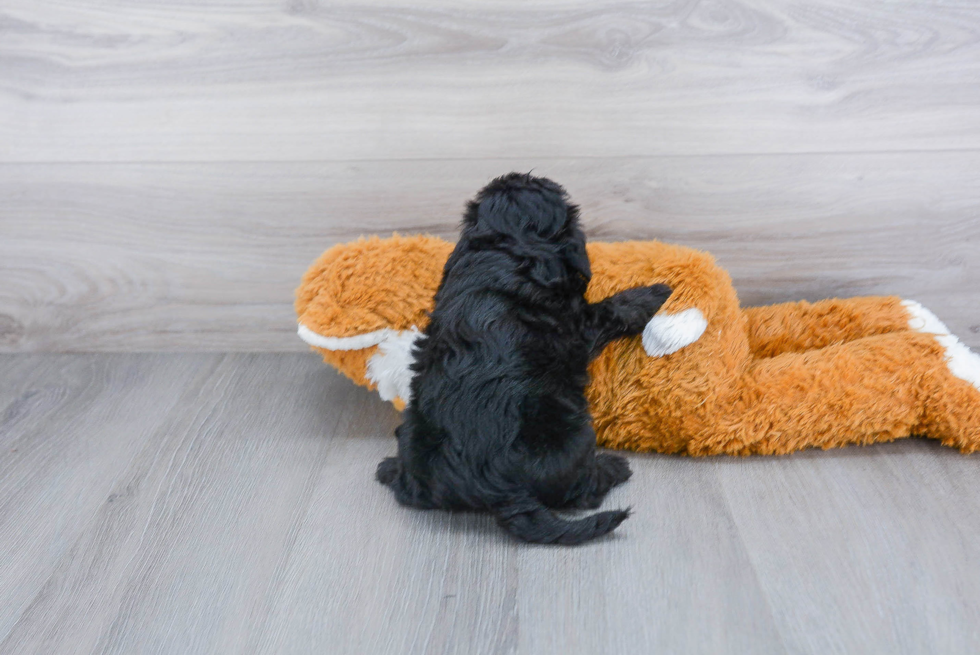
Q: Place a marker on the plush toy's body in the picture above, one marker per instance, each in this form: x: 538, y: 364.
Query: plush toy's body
x: 707, y: 377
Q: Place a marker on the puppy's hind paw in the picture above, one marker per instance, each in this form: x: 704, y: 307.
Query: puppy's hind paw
x: 613, y: 469
x: 388, y: 470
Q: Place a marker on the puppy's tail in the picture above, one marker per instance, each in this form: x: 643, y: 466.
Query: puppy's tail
x: 529, y: 520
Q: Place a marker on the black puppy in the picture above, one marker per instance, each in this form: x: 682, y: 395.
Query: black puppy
x: 498, y: 420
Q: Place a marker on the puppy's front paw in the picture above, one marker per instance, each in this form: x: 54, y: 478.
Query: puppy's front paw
x: 646, y: 300
x: 388, y: 470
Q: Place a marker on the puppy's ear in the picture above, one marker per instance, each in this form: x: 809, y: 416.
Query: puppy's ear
x: 471, y: 215
x: 571, y: 267
x: 548, y: 271
x: 577, y: 258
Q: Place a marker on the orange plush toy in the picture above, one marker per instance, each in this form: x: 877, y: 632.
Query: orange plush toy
x: 706, y: 377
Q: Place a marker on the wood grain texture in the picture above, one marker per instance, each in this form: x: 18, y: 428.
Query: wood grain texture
x: 205, y: 257
x: 307, y: 80
x: 169, y: 170
x: 204, y: 503
x: 858, y: 508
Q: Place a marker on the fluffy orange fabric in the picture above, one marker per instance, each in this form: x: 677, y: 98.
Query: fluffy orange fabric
x: 763, y: 380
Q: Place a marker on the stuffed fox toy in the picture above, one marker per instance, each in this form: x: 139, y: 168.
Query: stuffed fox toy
x: 706, y: 377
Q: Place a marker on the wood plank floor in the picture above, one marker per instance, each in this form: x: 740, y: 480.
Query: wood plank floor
x: 208, y: 503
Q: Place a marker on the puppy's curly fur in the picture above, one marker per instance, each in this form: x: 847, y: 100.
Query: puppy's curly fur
x: 498, y: 419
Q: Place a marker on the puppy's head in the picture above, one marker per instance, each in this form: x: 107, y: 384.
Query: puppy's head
x: 533, y: 211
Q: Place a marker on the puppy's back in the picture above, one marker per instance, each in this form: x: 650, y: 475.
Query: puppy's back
x: 503, y: 339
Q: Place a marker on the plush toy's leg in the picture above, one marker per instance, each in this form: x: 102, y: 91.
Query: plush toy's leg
x: 872, y: 389
x: 955, y: 409
x: 801, y: 326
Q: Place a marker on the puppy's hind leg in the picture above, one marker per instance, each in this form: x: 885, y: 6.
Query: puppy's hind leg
x: 610, y: 471
x: 407, y: 490
x: 388, y: 470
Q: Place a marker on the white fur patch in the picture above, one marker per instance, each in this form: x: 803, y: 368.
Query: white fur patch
x: 962, y: 362
x: 389, y: 367
x: 668, y: 333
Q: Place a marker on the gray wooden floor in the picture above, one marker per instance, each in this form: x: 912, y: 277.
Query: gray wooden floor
x: 207, y: 503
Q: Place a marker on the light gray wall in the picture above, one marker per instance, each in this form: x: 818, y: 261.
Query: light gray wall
x: 168, y: 171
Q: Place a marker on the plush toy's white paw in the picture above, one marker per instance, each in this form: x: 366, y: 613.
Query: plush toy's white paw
x: 389, y: 367
x: 357, y: 342
x: 962, y: 362
x: 668, y: 333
